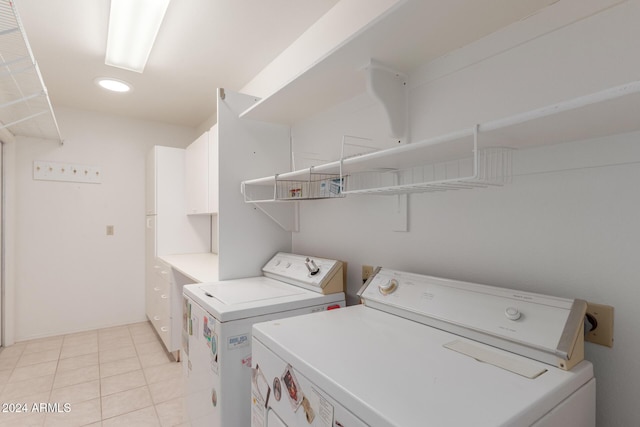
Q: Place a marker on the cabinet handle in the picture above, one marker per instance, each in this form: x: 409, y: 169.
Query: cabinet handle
x: 163, y: 296
x: 156, y: 289
x: 156, y: 318
x: 164, y: 329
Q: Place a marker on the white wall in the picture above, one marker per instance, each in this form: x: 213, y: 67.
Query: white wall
x: 566, y: 226
x: 68, y: 275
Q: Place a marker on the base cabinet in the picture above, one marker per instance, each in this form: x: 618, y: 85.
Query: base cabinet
x: 158, y: 301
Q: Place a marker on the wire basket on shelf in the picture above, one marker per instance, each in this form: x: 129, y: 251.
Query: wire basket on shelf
x: 318, y: 186
x: 489, y: 167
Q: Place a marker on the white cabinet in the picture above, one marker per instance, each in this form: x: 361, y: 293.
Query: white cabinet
x: 168, y: 231
x: 201, y: 174
x: 150, y: 188
x: 158, y: 301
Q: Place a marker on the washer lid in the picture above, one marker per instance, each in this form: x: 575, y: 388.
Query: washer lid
x: 249, y: 290
x: 253, y: 296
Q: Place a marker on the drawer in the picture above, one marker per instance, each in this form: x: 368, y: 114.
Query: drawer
x: 157, y: 294
x: 162, y: 269
x: 161, y: 321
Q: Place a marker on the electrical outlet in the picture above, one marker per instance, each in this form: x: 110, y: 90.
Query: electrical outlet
x: 109, y: 230
x: 367, y: 271
x: 601, y: 318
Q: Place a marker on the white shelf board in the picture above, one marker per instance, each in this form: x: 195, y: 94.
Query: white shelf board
x: 437, y: 150
x: 409, y: 34
x: 608, y: 112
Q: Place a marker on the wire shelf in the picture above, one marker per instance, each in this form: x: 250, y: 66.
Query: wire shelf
x: 25, y: 108
x: 490, y: 167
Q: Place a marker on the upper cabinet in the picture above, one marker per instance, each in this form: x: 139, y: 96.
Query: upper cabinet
x: 202, y: 174
x: 150, y: 190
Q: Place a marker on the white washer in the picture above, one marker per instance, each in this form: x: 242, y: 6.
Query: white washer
x: 426, y: 351
x: 217, y: 320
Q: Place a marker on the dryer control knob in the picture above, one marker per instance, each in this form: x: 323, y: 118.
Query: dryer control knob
x: 389, y: 287
x: 512, y: 313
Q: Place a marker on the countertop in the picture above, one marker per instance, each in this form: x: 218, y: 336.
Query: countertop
x: 200, y: 267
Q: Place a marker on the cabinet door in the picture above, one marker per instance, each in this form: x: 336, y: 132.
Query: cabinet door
x: 213, y: 170
x: 150, y: 183
x: 196, y: 175
x: 150, y: 257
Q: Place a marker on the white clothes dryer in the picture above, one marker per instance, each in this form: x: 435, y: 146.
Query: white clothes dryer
x: 217, y: 320
x: 424, y: 351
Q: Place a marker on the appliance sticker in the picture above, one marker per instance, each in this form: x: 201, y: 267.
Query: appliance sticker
x: 213, y: 344
x: 258, y: 401
x: 308, y: 410
x: 214, y: 397
x: 277, y: 389
x: 258, y: 410
x: 260, y: 387
x: 293, y: 388
x: 208, y: 325
x: 238, y: 341
x: 246, y: 361
x: 186, y: 314
x: 325, y: 409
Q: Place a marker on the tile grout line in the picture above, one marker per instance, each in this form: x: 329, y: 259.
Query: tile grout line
x: 100, y: 346
x: 146, y: 381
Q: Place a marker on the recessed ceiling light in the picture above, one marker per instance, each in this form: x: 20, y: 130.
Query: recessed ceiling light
x: 113, y: 85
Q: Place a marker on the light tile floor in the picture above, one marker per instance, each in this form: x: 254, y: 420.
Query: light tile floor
x: 119, y: 376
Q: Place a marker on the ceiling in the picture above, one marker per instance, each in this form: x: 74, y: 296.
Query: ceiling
x: 201, y: 45
x: 205, y: 44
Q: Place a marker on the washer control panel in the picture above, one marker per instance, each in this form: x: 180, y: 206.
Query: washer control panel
x: 305, y: 271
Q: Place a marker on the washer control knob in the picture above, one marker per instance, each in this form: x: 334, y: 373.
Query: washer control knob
x: 512, y: 313
x: 389, y: 287
x: 311, y: 266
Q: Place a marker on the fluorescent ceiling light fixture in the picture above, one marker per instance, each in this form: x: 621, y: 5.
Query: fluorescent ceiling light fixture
x: 133, y: 27
x: 113, y: 85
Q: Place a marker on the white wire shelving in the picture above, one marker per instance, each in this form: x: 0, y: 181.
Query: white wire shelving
x: 25, y: 107
x: 480, y: 156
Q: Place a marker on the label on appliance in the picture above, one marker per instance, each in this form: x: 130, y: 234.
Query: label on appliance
x: 238, y: 341
x: 325, y: 409
x: 246, y: 361
x: 258, y: 409
x: 208, y: 325
x: 214, y: 352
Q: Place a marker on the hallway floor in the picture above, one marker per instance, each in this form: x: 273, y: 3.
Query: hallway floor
x: 118, y: 376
